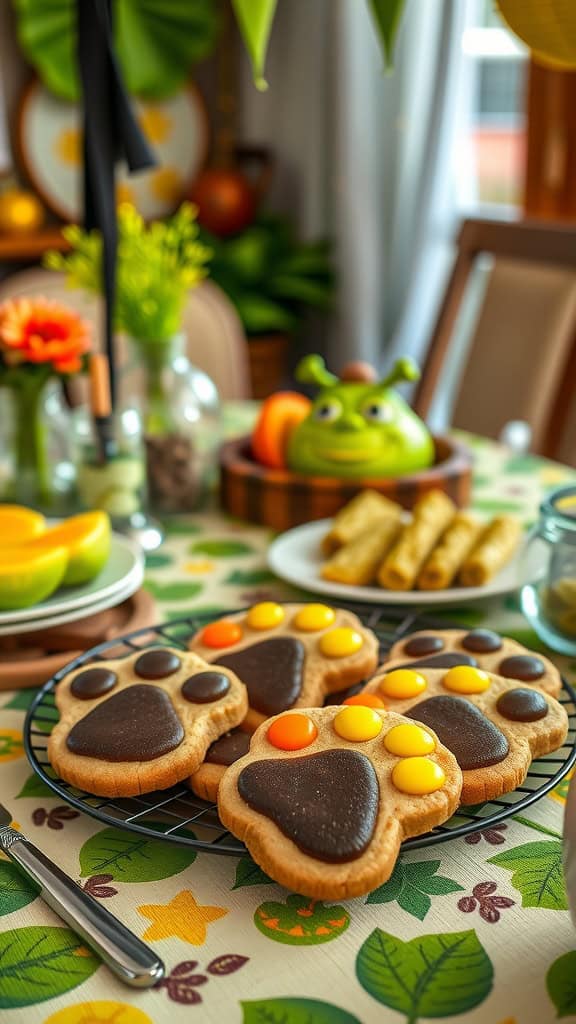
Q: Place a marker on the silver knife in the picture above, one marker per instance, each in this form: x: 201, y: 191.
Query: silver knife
x: 124, y: 953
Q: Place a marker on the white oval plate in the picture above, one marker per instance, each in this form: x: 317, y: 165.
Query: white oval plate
x: 74, y: 614
x: 296, y: 557
x: 124, y: 568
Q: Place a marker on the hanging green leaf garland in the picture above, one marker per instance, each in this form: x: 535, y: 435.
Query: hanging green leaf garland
x: 255, y: 19
x: 387, y: 15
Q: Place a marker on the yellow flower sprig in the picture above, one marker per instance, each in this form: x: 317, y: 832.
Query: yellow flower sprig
x: 157, y: 264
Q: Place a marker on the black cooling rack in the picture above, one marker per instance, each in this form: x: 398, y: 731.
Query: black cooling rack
x: 178, y: 816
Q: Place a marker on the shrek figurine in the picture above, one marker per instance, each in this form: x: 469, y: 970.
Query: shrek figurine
x: 358, y: 426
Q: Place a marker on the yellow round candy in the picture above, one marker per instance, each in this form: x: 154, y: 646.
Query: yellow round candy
x: 340, y: 643
x: 418, y: 776
x: 314, y: 617
x: 402, y: 683
x: 265, y: 615
x: 409, y: 741
x: 357, y: 724
x: 465, y: 679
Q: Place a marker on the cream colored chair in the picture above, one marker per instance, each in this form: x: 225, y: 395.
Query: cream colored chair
x: 519, y: 359
x: 215, y: 339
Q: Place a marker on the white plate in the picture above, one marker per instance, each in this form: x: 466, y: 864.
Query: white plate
x: 73, y: 614
x: 295, y: 556
x: 124, y: 569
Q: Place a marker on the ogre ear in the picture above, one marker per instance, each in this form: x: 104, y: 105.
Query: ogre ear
x: 312, y: 370
x: 403, y: 369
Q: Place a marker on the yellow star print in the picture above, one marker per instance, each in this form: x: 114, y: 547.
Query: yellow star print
x: 182, y: 918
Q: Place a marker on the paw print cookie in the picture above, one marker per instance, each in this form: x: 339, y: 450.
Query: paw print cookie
x: 141, y: 723
x: 289, y: 655
x: 493, y: 726
x: 219, y: 756
x: 325, y: 796
x: 480, y: 648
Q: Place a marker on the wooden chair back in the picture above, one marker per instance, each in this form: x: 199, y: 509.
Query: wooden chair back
x: 520, y: 362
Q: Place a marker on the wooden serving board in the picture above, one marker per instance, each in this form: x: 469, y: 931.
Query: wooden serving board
x: 30, y: 659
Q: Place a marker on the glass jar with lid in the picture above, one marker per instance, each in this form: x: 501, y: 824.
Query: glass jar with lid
x: 548, y: 598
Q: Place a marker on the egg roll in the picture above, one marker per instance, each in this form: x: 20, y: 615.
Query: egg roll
x: 495, y: 547
x: 366, y: 509
x: 357, y: 563
x: 431, y: 516
x: 447, y: 557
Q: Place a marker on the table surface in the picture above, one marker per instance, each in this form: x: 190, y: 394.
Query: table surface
x: 475, y: 930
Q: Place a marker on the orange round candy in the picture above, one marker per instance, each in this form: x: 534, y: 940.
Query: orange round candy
x: 292, y: 732
x: 221, y: 634
x: 365, y: 700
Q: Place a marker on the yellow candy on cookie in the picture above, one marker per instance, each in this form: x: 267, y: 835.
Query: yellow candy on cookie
x: 409, y: 741
x: 266, y: 615
x: 357, y: 723
x: 418, y: 776
x: 314, y: 617
x: 340, y: 642
x: 466, y: 679
x: 402, y: 683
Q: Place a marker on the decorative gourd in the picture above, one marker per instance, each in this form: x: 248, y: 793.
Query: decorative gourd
x: 358, y: 426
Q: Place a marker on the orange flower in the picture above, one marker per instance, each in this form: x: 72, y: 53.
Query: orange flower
x: 42, y: 331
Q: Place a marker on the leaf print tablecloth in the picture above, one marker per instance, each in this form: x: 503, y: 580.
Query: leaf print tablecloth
x: 473, y: 930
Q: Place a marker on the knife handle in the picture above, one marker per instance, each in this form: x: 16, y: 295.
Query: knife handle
x: 124, y: 953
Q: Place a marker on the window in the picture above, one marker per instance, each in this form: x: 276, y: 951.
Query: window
x: 496, y: 125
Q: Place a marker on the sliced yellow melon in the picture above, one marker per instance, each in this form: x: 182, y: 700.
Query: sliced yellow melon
x: 29, y: 575
x: 86, y: 538
x: 18, y: 524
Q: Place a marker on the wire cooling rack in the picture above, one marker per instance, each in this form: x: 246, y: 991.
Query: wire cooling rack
x: 178, y: 816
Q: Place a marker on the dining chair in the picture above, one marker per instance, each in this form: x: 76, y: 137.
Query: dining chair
x: 216, y: 342
x: 518, y: 360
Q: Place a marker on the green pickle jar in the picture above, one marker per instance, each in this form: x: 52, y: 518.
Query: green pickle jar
x: 548, y: 600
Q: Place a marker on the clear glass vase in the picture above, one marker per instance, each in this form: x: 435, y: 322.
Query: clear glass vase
x: 181, y: 422
x: 36, y: 449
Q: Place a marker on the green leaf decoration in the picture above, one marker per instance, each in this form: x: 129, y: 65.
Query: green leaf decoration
x: 300, y: 921
x: 40, y: 963
x: 36, y: 788
x: 156, y: 44
x: 15, y: 890
x: 536, y: 873
x: 248, y: 873
x: 387, y: 15
x: 561, y: 984
x: 21, y: 700
x: 220, y: 548
x: 255, y: 19
x: 130, y: 857
x: 180, y: 528
x: 250, y: 577
x: 429, y: 976
x: 294, y: 1011
x: 495, y: 506
x: 411, y: 886
x: 158, y: 561
x: 173, y: 591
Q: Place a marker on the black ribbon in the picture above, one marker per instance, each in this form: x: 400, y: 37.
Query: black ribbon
x: 111, y: 132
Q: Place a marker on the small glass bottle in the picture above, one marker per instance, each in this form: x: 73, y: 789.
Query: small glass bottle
x: 117, y: 484
x: 548, y: 599
x: 181, y: 424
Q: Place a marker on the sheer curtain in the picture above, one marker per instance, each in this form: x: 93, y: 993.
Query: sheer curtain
x: 367, y: 158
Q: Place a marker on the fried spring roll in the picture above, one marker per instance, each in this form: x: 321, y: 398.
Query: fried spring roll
x: 494, y: 549
x: 357, y: 563
x: 367, y: 509
x: 448, y: 556
x: 432, y: 515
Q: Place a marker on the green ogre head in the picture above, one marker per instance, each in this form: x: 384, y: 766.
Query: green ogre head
x: 358, y: 426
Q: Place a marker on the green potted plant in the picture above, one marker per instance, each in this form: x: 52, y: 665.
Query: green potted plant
x: 273, y: 280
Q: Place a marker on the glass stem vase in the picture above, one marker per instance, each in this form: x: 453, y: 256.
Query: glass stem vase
x: 30, y: 483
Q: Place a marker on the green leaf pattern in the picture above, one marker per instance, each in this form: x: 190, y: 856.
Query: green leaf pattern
x: 411, y: 886
x: 39, y: 963
x: 536, y: 873
x: 130, y: 857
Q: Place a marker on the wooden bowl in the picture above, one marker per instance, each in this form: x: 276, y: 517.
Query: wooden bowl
x: 282, y: 499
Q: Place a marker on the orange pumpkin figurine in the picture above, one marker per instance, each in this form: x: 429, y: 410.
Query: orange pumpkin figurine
x: 280, y: 415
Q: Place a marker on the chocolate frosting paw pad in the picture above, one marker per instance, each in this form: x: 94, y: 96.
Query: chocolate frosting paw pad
x: 141, y: 723
x: 480, y: 648
x: 326, y: 795
x: 289, y: 655
x: 494, y: 726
